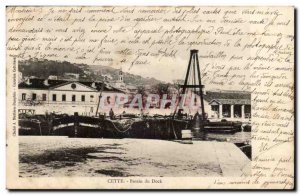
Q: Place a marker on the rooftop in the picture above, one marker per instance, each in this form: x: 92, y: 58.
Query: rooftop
x: 228, y: 97
x: 50, y: 84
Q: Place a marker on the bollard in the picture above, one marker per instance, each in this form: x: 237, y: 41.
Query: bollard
x: 186, y: 134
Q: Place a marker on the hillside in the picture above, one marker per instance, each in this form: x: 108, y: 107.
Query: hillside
x: 45, y: 68
x: 128, y: 78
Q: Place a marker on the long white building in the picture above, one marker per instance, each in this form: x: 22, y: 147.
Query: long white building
x: 60, y: 96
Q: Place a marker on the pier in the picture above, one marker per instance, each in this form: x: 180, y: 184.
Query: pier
x: 128, y: 157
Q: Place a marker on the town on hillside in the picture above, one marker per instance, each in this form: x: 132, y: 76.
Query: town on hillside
x: 60, y: 100
x: 76, y: 88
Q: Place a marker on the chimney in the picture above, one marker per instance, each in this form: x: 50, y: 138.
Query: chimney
x: 46, y: 82
x: 94, y: 85
x: 28, y: 82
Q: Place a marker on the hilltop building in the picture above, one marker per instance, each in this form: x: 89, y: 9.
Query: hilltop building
x: 52, y: 77
x: 119, y: 83
x: 71, y: 76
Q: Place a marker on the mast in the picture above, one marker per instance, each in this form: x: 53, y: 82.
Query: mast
x: 102, y: 88
x: 193, y: 66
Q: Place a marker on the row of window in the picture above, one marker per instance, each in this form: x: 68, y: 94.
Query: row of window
x: 54, y: 97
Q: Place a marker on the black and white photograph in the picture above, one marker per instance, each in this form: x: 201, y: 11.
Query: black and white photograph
x: 135, y: 127
x: 162, y: 97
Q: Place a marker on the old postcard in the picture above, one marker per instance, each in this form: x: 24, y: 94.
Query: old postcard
x: 150, y: 97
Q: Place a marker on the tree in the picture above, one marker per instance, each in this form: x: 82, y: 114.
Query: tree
x: 142, y: 90
x: 161, y: 89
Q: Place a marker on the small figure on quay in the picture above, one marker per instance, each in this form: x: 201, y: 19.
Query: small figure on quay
x: 111, y: 114
x: 197, y: 120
